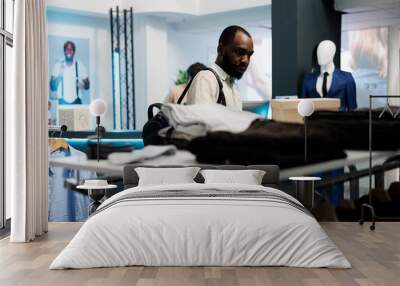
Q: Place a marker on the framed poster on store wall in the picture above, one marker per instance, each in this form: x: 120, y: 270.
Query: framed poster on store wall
x: 69, y: 70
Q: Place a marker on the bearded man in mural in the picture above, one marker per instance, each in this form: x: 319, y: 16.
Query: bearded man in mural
x: 68, y: 77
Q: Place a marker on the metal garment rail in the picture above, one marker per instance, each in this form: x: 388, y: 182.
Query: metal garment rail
x: 354, y: 175
x: 369, y: 205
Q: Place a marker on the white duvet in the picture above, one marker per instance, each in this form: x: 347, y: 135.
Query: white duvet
x: 200, y: 231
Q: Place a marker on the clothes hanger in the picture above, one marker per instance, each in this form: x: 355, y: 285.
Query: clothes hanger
x: 397, y: 113
x: 57, y: 145
x: 387, y: 109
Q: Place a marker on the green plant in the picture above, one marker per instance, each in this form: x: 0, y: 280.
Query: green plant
x: 182, y: 77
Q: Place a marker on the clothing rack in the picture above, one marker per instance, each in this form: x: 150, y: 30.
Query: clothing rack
x: 369, y: 205
x: 354, y: 175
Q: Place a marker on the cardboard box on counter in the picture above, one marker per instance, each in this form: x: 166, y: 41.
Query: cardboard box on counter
x: 285, y: 110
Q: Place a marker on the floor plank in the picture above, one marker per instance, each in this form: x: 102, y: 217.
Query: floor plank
x: 374, y: 255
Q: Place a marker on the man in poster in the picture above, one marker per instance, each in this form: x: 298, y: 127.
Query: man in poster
x: 68, y: 77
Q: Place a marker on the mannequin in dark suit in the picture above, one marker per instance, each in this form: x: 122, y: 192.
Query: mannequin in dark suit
x: 343, y: 87
x: 328, y: 81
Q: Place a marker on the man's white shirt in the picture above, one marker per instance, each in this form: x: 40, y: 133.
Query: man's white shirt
x: 67, y: 86
x: 205, y: 89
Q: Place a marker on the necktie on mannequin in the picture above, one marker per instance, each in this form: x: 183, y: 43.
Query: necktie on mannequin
x: 324, y: 89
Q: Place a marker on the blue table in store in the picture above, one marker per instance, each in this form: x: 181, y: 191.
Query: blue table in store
x: 80, y: 139
x: 81, y: 144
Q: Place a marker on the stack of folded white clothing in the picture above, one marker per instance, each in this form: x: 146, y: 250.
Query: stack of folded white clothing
x: 198, y: 119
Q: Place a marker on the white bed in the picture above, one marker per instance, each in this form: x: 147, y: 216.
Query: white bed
x: 247, y: 226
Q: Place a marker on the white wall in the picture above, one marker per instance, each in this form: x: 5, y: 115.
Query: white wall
x: 189, y: 7
x: 213, y: 6
x: 101, y: 7
x: 364, y: 14
x: 364, y: 5
x: 151, y: 64
x: 260, y: 16
x: 185, y: 49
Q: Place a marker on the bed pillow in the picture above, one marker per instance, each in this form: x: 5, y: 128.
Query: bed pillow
x: 248, y: 177
x: 166, y: 176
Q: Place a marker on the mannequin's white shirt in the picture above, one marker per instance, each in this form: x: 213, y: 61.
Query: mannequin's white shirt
x: 330, y: 68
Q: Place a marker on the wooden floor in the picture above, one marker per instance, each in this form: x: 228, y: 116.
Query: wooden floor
x: 375, y: 257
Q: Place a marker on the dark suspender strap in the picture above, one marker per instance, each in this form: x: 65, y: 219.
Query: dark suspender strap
x: 77, y: 78
x: 184, y: 92
x: 221, y: 95
x: 150, y: 113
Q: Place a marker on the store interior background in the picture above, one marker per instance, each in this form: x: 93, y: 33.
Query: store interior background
x: 171, y: 35
x: 164, y: 42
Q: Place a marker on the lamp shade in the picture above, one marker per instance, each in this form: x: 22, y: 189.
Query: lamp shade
x: 305, y: 107
x: 98, y: 107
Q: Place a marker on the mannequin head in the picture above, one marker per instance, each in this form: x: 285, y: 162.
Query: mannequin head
x: 325, y: 52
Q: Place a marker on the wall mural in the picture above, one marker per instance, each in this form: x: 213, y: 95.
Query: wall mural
x: 365, y: 54
x: 69, y: 81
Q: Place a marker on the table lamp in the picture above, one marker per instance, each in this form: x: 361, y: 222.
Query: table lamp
x: 305, y: 108
x: 98, y: 107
